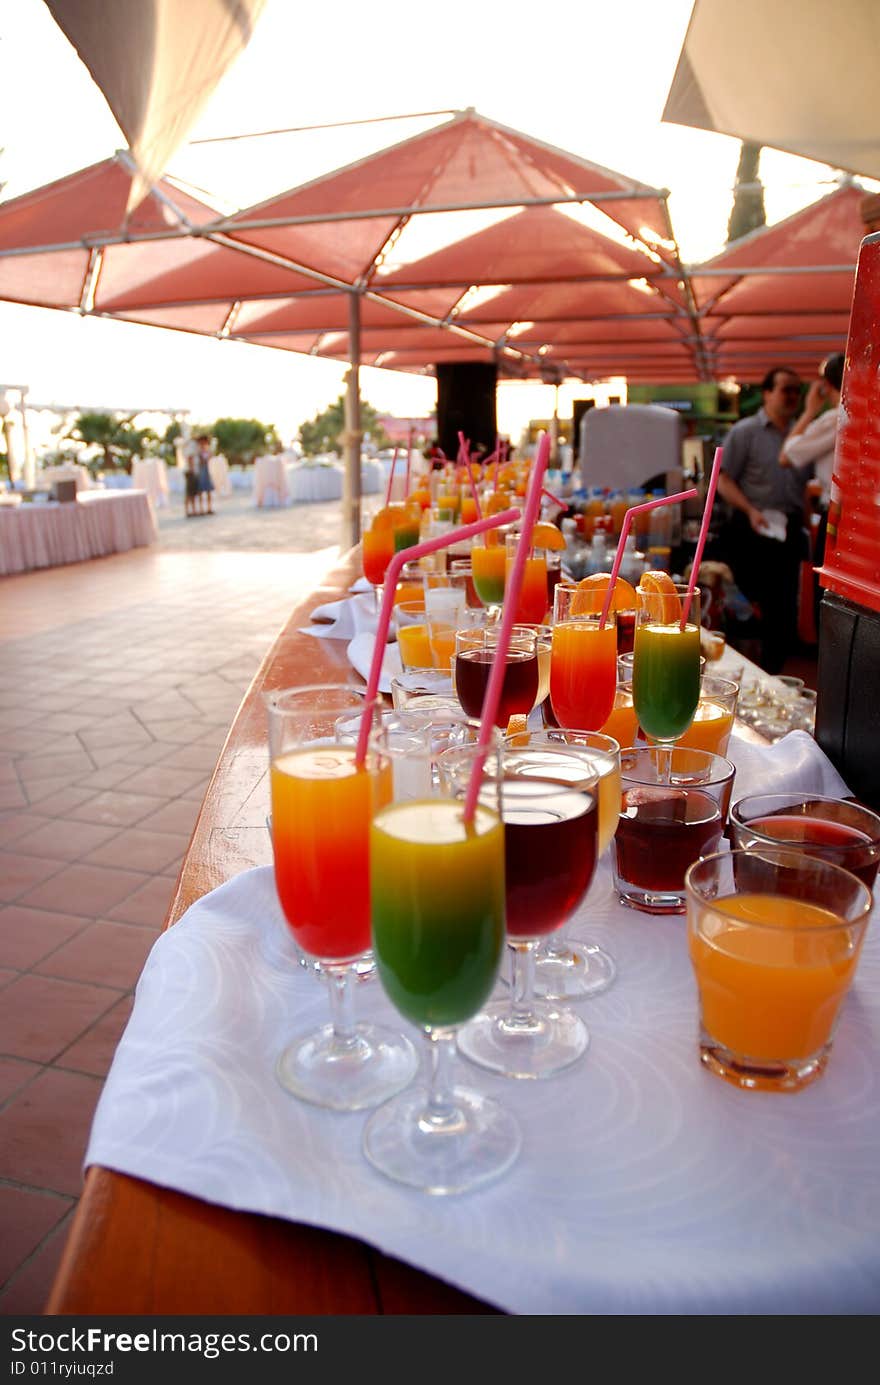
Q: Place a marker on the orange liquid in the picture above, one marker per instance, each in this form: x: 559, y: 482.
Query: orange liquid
x: 532, y: 607
x: 442, y: 642
x: 409, y: 591
x: 414, y: 646
x: 468, y: 509
x: 322, y: 804
x: 489, y: 566
x: 623, y: 724
x: 710, y: 729
x: 422, y: 498
x: 771, y: 993
x: 583, y: 674
x: 377, y: 550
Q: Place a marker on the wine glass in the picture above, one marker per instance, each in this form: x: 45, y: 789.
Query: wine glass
x: 550, y: 810
x: 569, y: 968
x: 377, y: 550
x: 475, y: 651
x: 437, y: 896
x: 322, y: 801
x: 666, y: 661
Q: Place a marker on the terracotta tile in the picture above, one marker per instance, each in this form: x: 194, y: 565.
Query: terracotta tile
x: 42, y: 792
x: 26, y: 1218
x: 66, y: 841
x: 28, y: 741
x: 111, y: 776
x: 197, y: 793
x: 8, y: 772
x: 93, y: 1051
x: 104, y: 755
x: 41, y: 1016
x: 116, y: 730
x: 32, y: 769
x: 148, y: 905
x: 89, y: 890
x: 163, y: 780
x: 151, y: 753
x: 168, y: 706
x: 16, y: 825
x: 15, y: 1073
x: 107, y: 954
x: 63, y: 801
x: 27, y: 935
x: 8, y: 974
x: 19, y: 873
x: 177, y: 732
x: 195, y: 757
x: 178, y: 816
x: 136, y: 849
x: 12, y: 796
x: 69, y: 721
x: 28, y: 1290
x: 116, y: 808
x: 173, y: 870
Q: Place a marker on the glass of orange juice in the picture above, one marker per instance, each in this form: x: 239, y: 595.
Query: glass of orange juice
x: 774, y: 939
x: 713, y: 719
x: 410, y: 626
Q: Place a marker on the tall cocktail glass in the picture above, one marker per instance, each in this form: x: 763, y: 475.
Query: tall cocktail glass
x: 666, y: 659
x: 583, y: 663
x: 322, y: 803
x: 437, y: 898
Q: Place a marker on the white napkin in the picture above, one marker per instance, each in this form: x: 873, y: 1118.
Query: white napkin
x: 793, y: 763
x: 361, y: 585
x: 360, y: 655
x: 644, y: 1186
x: 345, y: 618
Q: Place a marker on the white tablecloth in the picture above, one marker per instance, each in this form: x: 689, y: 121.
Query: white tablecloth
x: 270, y: 482
x: 47, y: 478
x: 151, y: 475
x: 645, y: 1184
x: 218, y: 468
x: 92, y: 526
x: 315, y: 482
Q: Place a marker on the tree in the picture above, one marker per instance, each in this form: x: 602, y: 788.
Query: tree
x: 747, y: 213
x: 324, y: 432
x: 242, y: 439
x: 98, y: 430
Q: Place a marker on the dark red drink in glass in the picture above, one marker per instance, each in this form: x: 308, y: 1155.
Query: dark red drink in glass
x: 518, y: 691
x: 626, y: 630
x: 549, y: 857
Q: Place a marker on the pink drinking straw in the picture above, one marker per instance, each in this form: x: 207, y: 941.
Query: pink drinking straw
x: 508, y: 619
x: 624, y: 531
x: 550, y: 496
x: 701, y: 541
x: 407, y: 555
x: 390, y: 478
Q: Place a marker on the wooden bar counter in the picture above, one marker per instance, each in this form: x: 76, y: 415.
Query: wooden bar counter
x: 141, y: 1249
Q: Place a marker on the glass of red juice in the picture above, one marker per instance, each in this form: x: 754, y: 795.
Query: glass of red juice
x: 475, y: 651
x: 668, y: 820
x: 549, y: 803
x: 832, y: 829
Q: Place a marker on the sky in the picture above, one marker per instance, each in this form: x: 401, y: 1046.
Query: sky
x: 586, y: 76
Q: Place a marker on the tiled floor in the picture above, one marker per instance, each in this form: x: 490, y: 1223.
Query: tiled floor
x: 118, y: 681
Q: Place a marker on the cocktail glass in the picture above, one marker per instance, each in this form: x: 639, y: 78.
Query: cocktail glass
x: 322, y: 803
x: 532, y: 605
x: 550, y: 809
x: 713, y: 720
x: 569, y: 968
x: 377, y: 550
x: 673, y: 809
x: 474, y: 658
x: 832, y: 829
x: 583, y: 664
x: 410, y: 625
x: 622, y: 724
x: 437, y: 895
x: 774, y: 939
x: 488, y: 568
x: 666, y: 662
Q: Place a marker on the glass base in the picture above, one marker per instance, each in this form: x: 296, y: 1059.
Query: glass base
x: 371, y: 1067
x: 761, y: 1074
x: 551, y: 1040
x: 650, y: 901
x: 475, y: 1143
x: 568, y: 969
x: 364, y: 967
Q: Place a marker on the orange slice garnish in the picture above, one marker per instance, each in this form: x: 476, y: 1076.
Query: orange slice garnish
x: 547, y: 536
x: 590, y: 595
x: 517, y: 729
x: 663, y: 602
x: 496, y: 502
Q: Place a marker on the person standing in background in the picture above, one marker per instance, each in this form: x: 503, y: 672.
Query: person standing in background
x: 205, y: 484
x: 812, y: 441
x: 754, y: 485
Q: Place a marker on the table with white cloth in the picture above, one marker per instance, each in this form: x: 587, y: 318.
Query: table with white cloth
x: 69, y: 471
x: 218, y: 469
x: 645, y: 1184
x: 150, y: 474
x: 92, y: 526
x: 308, y: 483
x: 270, y: 482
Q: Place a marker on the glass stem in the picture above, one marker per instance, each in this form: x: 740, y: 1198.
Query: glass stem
x: 664, y: 761
x: 522, y: 983
x: 341, y: 991
x: 441, y: 1110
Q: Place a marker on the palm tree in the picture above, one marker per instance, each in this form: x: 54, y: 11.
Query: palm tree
x: 747, y: 213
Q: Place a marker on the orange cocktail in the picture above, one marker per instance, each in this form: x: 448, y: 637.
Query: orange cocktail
x: 774, y: 940
x: 377, y: 550
x: 713, y: 720
x: 623, y: 724
x: 488, y: 569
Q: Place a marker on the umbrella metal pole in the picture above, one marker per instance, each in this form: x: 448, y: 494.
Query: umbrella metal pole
x: 351, y: 493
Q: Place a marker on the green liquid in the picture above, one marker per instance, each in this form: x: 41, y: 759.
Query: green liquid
x: 437, y: 893
x: 666, y: 679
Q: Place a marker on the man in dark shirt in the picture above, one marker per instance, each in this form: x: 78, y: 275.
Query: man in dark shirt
x: 754, y: 485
